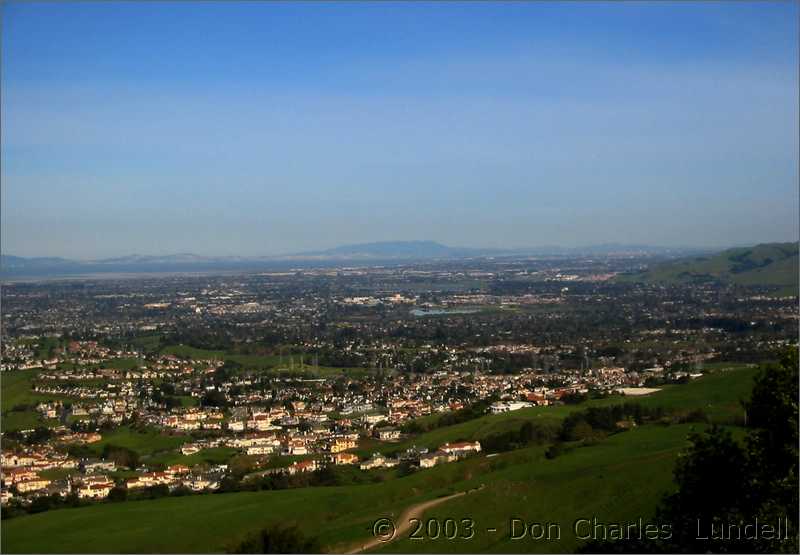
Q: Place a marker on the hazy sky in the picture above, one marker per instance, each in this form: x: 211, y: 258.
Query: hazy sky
x: 261, y: 128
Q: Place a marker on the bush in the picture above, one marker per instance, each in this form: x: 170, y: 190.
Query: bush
x: 278, y: 539
x: 554, y: 451
x: 117, y: 494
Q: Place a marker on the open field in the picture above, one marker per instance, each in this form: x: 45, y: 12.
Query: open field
x: 266, y: 363
x: 618, y: 479
x: 16, y: 388
x: 146, y: 443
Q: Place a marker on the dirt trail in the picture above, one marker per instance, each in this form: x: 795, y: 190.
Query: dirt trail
x: 403, y: 522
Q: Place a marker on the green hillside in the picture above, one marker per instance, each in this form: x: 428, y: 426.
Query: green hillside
x: 771, y: 264
x: 621, y: 477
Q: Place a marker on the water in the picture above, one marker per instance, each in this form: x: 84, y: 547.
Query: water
x: 440, y: 311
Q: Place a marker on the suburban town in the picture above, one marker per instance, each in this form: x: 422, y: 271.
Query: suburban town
x: 240, y: 378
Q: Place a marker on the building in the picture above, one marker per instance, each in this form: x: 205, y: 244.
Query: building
x: 35, y: 484
x: 378, y: 461
x: 344, y: 458
x: 342, y: 444
x: 461, y: 449
x: 429, y: 460
x: 387, y: 434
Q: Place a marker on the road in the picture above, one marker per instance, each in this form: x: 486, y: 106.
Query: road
x: 403, y: 522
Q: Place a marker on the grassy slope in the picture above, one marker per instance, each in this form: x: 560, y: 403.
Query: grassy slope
x: 258, y: 362
x: 16, y: 388
x: 773, y: 264
x: 617, y: 480
x: 620, y: 478
x: 147, y: 443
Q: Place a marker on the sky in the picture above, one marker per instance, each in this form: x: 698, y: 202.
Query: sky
x: 265, y: 128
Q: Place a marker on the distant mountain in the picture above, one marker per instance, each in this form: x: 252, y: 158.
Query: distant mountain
x: 14, y: 262
x: 400, y: 249
x: 375, y: 253
x: 432, y: 249
x: 769, y: 264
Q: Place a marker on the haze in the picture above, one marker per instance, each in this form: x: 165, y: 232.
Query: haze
x: 262, y: 128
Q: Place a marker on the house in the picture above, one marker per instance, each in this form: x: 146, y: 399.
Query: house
x: 344, y: 458
x: 461, y: 449
x: 371, y: 419
x: 198, y: 483
x: 342, y: 444
x: 189, y: 449
x: 15, y: 475
x: 260, y: 450
x: 378, y: 461
x: 14, y: 459
x: 537, y: 399
x: 177, y: 470
x: 260, y: 422
x: 387, y: 434
x: 5, y: 496
x: 35, y: 484
x: 297, y: 447
x: 98, y: 490
x: 508, y: 406
x: 89, y: 466
x: 303, y: 466
x: 429, y: 460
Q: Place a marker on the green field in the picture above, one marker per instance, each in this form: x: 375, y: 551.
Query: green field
x: 16, y: 388
x: 618, y: 479
x: 271, y: 363
x: 144, y: 443
x: 124, y: 363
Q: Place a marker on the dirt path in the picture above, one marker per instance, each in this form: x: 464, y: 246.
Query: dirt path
x: 403, y: 522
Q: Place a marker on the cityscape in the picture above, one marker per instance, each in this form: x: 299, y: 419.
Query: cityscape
x: 399, y: 277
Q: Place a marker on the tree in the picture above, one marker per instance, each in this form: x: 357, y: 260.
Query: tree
x: 278, y: 539
x: 214, y: 398
x: 724, y: 481
x: 118, y: 494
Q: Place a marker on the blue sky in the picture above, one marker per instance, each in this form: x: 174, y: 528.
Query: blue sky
x: 262, y: 128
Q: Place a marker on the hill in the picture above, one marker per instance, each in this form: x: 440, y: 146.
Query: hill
x: 400, y: 249
x: 769, y: 264
x: 618, y: 479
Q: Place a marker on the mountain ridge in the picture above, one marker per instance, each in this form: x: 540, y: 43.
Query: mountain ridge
x: 765, y: 264
x: 372, y: 252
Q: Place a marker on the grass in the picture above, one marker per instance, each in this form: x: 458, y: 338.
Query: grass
x: 618, y: 480
x: 58, y: 473
x: 192, y: 352
x: 144, y: 443
x: 16, y: 388
x: 124, y: 363
x: 265, y: 363
x: 22, y: 420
